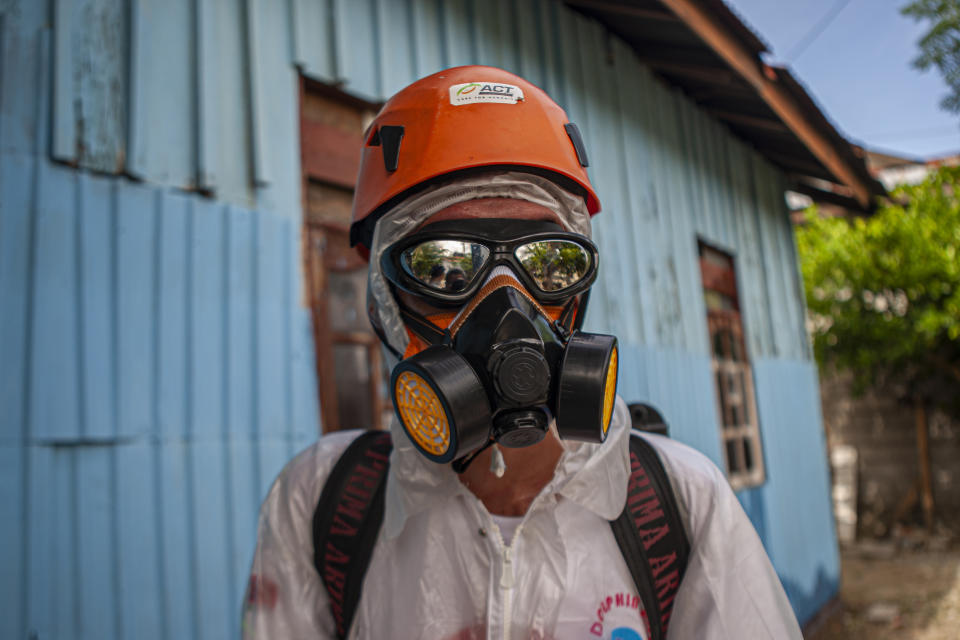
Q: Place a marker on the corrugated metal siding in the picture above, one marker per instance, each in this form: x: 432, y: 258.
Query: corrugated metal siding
x: 156, y: 362
x: 157, y: 373
x: 667, y: 173
x: 791, y: 510
x: 167, y: 379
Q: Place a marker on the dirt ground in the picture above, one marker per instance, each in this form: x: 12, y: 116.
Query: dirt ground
x: 890, y: 593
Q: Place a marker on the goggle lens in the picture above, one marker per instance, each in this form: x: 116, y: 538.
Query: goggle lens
x: 445, y: 265
x: 452, y: 265
x: 554, y: 264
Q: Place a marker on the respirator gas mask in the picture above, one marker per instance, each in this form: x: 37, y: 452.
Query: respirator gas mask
x: 510, y: 355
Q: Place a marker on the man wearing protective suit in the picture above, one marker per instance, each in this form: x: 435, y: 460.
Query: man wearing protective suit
x: 510, y: 448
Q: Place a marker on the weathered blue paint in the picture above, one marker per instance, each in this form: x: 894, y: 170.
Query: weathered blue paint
x: 355, y: 55
x: 679, y: 384
x: 13, y: 509
x: 64, y: 125
x: 157, y: 368
x: 208, y: 101
x: 147, y: 444
x: 793, y: 498
x: 262, y: 171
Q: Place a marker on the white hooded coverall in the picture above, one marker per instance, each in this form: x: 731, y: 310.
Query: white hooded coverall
x: 441, y: 571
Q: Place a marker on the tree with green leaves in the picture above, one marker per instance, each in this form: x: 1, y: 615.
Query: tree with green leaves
x: 940, y: 47
x: 883, y: 298
x: 883, y: 293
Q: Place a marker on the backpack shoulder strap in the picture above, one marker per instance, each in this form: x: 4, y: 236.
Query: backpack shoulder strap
x: 347, y: 521
x: 651, y: 536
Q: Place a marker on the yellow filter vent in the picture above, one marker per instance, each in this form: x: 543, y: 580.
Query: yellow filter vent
x: 610, y: 390
x: 422, y: 414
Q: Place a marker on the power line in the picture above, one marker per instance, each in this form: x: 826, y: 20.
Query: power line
x: 816, y: 30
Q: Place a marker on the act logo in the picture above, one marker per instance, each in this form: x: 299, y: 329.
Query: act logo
x: 497, y: 90
x: 474, y: 92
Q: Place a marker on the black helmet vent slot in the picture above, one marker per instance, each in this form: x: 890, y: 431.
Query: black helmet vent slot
x: 574, y: 132
x: 390, y: 136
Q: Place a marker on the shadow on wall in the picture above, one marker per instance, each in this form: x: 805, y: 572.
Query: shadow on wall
x: 807, y: 603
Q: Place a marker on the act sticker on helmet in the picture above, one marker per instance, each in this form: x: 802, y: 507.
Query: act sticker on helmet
x: 471, y: 92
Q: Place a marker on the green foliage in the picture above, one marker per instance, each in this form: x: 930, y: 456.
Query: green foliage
x: 557, y: 264
x: 940, y: 47
x: 883, y: 293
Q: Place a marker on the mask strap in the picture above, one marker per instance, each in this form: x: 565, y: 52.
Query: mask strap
x: 460, y: 464
x: 581, y: 310
x: 564, y: 322
x: 420, y: 325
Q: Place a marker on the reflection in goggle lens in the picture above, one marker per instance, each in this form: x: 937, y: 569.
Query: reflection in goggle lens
x: 445, y: 265
x: 554, y: 264
x: 451, y: 265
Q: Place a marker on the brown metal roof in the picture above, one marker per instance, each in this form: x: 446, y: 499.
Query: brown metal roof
x: 703, y: 48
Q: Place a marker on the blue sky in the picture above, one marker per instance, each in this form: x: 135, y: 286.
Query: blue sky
x: 858, y: 70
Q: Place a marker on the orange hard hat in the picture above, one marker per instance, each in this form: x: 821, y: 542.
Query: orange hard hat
x: 457, y: 120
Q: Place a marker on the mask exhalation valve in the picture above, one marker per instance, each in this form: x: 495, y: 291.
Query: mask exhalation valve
x: 520, y: 428
x: 520, y: 374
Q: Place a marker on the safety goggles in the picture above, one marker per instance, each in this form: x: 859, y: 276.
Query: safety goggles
x: 447, y: 262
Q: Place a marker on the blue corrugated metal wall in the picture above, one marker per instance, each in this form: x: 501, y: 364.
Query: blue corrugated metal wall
x: 156, y: 367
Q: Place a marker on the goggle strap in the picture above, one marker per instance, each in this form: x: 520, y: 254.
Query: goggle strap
x: 377, y: 329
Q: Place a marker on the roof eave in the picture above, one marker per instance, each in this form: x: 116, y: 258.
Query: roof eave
x: 783, y: 94
x: 789, y: 113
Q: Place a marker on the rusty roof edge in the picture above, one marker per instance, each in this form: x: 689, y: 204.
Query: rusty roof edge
x: 826, y: 195
x: 723, y: 32
x: 732, y: 19
x: 847, y: 148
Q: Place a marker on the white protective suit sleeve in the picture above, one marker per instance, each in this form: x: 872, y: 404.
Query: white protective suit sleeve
x: 730, y: 590
x: 285, y: 597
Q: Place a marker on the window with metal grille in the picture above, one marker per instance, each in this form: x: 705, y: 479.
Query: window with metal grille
x: 732, y: 374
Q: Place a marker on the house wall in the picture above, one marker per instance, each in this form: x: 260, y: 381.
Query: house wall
x: 157, y: 369
x: 884, y: 433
